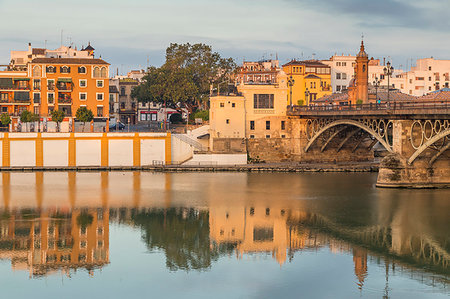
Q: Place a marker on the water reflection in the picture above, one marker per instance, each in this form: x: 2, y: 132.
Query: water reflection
x: 60, y: 221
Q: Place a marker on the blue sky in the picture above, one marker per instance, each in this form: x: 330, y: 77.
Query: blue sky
x: 125, y: 33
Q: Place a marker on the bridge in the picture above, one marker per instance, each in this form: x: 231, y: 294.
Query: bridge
x: 413, y: 135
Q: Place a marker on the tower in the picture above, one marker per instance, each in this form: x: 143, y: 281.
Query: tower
x: 362, y: 75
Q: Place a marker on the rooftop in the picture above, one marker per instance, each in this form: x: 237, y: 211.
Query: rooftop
x: 69, y: 61
x: 315, y: 63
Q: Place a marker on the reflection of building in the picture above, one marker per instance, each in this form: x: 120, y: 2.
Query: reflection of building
x: 360, y: 261
x: 52, y: 241
x: 257, y: 229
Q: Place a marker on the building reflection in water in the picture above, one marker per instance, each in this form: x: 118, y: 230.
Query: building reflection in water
x: 62, y: 222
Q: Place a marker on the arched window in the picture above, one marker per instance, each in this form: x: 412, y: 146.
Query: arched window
x: 82, y: 70
x: 64, y: 70
x: 96, y: 72
x: 51, y: 69
x: 103, y: 72
x: 36, y: 71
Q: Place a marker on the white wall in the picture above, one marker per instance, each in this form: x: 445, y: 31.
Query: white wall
x: 217, y: 159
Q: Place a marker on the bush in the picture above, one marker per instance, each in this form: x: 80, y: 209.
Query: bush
x: 300, y: 102
x: 359, y: 102
x: 175, y: 118
x: 203, y: 114
x: 5, y: 119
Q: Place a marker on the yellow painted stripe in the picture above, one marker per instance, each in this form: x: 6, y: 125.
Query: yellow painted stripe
x: 105, y: 150
x: 168, y: 149
x: 72, y: 151
x: 5, y: 151
x: 136, y: 150
x: 39, y: 151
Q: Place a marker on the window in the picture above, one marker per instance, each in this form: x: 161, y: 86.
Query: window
x: 267, y: 124
x: 50, y: 110
x: 222, y: 105
x: 283, y: 125
x: 267, y: 136
x: 382, y: 77
x: 252, y: 136
x: 96, y: 72
x: 228, y: 121
x: 338, y: 63
x: 83, y: 96
x: 64, y: 70
x: 36, y: 71
x: 103, y: 72
x: 429, y: 78
x: 338, y: 88
x: 83, y: 83
x: 51, y: 69
x: 283, y: 136
x: 82, y: 70
x: 338, y: 75
x: 429, y: 68
x: 36, y: 84
x: 4, y: 97
x: 51, y: 98
x: 100, y: 83
x: 263, y: 101
x: 233, y: 105
x: 122, y: 105
x: 344, y: 76
x: 252, y: 125
x: 344, y: 64
x: 36, y: 110
x: 100, y: 114
x: 99, y: 96
x: 36, y: 97
x: 51, y: 84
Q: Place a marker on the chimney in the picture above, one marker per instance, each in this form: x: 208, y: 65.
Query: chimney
x: 29, y: 47
x: 384, y: 61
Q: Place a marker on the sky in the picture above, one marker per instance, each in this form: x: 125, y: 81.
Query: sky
x: 130, y: 34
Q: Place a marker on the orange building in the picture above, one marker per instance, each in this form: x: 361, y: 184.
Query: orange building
x: 64, y: 84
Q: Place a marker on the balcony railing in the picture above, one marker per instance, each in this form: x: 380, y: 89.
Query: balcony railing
x: 64, y: 87
x: 66, y: 100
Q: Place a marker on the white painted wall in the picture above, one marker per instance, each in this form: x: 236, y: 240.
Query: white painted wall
x: 181, y: 151
x: 120, y: 152
x: 56, y: 152
x: 22, y: 152
x: 217, y: 159
x: 88, y: 152
x: 152, y: 150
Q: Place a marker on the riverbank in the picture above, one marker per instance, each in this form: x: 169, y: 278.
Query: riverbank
x: 260, y: 167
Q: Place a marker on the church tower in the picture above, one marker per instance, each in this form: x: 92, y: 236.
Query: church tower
x: 362, y: 75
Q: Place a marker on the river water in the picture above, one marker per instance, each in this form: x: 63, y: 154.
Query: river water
x: 220, y: 235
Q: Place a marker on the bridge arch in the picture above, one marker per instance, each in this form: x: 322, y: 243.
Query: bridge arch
x: 427, y: 144
x: 351, y: 123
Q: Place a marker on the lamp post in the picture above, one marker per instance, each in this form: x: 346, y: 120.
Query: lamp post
x: 376, y: 83
x: 291, y: 82
x: 388, y: 71
x: 306, y: 96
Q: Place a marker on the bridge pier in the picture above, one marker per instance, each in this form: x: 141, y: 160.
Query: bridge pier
x: 420, y: 156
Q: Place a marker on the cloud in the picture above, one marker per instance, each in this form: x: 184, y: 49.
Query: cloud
x: 385, y: 13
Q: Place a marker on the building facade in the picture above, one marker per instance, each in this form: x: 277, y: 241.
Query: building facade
x: 310, y: 79
x: 127, y: 104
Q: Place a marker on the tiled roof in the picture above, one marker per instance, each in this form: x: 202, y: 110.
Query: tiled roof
x: 306, y: 63
x: 69, y: 61
x: 311, y: 76
x: 442, y: 94
x: 395, y: 96
x: 334, y: 97
x: 38, y: 51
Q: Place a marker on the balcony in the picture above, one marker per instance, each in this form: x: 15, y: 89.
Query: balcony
x: 22, y: 97
x: 64, y: 98
x: 64, y: 86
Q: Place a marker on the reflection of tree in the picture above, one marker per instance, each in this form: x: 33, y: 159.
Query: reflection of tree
x: 183, y: 234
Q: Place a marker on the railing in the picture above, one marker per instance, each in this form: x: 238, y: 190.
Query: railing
x: 190, y: 141
x: 386, y: 106
x: 65, y: 100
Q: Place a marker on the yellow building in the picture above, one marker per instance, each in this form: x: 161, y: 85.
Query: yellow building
x: 256, y: 110
x: 310, y: 80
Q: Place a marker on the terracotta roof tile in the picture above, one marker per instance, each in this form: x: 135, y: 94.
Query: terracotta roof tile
x: 69, y: 61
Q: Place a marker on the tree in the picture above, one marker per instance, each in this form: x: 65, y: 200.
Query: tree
x: 26, y: 117
x: 176, y: 118
x: 57, y: 117
x: 85, y: 115
x: 186, y: 75
x: 5, y: 119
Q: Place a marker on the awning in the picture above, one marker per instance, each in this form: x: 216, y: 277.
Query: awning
x: 68, y: 80
x: 21, y: 79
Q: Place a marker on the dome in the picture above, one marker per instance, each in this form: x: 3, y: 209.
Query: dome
x: 362, y: 53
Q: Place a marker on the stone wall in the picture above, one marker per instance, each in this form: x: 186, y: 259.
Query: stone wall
x: 228, y: 145
x: 270, y: 150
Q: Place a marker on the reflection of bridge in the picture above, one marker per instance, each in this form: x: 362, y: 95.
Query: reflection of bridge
x: 416, y: 134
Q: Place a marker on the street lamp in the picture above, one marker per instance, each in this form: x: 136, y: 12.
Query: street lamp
x: 291, y: 82
x: 376, y: 83
x: 306, y: 96
x: 388, y: 71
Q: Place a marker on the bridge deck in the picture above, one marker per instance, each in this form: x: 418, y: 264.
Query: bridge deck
x: 392, y: 110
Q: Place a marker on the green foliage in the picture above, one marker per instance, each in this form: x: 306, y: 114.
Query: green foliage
x: 175, y: 118
x: 5, y: 119
x: 84, y: 114
x: 185, y: 76
x: 84, y: 219
x: 359, y: 102
x: 203, y: 114
x: 57, y: 116
x: 300, y: 102
x: 26, y: 116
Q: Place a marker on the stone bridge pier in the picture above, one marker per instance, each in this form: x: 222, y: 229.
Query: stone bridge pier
x: 420, y: 156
